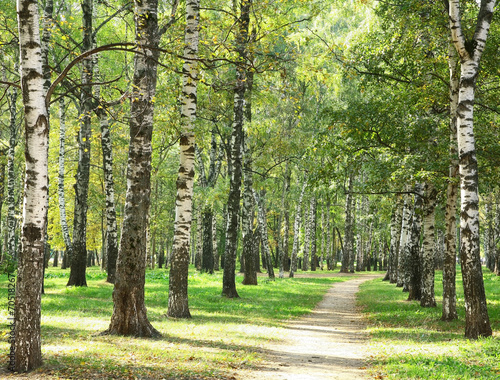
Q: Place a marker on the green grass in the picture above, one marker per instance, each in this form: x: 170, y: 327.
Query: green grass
x: 223, y: 336
x: 411, y: 342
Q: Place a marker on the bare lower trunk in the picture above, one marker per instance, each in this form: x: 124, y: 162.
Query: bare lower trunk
x: 312, y: 221
x: 428, y: 247
x: 415, y: 259
x: 397, y: 215
x: 349, y: 233
x: 77, y: 275
x: 250, y: 274
x: 260, y: 200
x: 296, y: 229
x: 449, y: 266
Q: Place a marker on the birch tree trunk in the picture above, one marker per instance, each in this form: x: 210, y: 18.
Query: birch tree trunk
x: 349, y: 231
x: 233, y: 203
x: 11, y: 175
x: 307, y: 240
x: 477, y: 321
x: 60, y: 184
x: 129, y: 313
x: 27, y: 343
x: 250, y: 274
x: 403, y: 243
x: 285, y: 223
x: 396, y: 220
x: 178, y: 306
x: 77, y: 275
x: 415, y: 259
x: 428, y: 247
x: 296, y: 231
x: 260, y: 200
x: 312, y: 221
x: 449, y: 312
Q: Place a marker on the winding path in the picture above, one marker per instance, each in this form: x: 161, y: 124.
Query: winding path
x: 329, y: 343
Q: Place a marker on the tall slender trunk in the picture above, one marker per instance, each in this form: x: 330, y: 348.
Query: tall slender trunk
x: 250, y: 274
x: 477, y: 322
x: 307, y: 241
x: 428, y: 247
x: 285, y: 223
x: 77, y: 275
x: 214, y: 243
x: 129, y: 313
x: 396, y: 220
x: 415, y: 259
x: 178, y: 306
x: 60, y: 184
x: 403, y: 243
x: 296, y: 230
x: 312, y: 221
x: 233, y: 202
x: 260, y: 200
x: 349, y: 230
x: 27, y: 342
x: 449, y: 267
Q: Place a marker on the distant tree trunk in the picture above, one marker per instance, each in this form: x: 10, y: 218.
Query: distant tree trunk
x: 477, y: 322
x: 349, y: 233
x: 214, y: 243
x: 449, y: 267
x: 233, y: 202
x: 296, y: 230
x: 415, y: 259
x: 199, y: 238
x: 27, y: 342
x: 312, y: 221
x: 260, y: 200
x: 207, y: 262
x: 111, y: 240
x: 307, y: 241
x: 178, y: 306
x: 396, y: 220
x: 60, y: 185
x: 77, y: 275
x: 55, y: 263
x: 250, y: 274
x: 428, y: 247
x: 403, y: 243
x: 330, y: 240
x: 129, y: 313
x: 285, y: 223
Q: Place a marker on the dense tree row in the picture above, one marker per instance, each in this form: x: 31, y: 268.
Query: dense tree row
x: 293, y: 135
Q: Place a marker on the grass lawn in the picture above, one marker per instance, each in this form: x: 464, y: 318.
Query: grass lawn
x: 411, y: 342
x: 220, y: 338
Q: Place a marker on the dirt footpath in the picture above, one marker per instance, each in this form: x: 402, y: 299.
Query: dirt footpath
x: 329, y: 343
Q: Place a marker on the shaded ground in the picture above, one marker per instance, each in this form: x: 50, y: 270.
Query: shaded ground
x: 329, y: 343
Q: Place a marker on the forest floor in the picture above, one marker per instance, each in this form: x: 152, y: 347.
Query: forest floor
x: 329, y: 343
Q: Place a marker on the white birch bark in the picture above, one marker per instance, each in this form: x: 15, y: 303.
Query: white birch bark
x: 404, y: 239
x: 347, y: 254
x: 27, y: 343
x: 260, y: 200
x: 307, y: 241
x: 178, y: 284
x: 449, y: 311
x: 470, y: 52
x: 396, y: 223
x: 11, y: 175
x: 61, y: 175
x: 428, y: 247
x: 296, y: 231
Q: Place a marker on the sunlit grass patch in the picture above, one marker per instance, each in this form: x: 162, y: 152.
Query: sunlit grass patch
x: 223, y: 336
x: 411, y: 342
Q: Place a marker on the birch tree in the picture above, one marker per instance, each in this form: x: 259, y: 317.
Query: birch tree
x: 233, y: 203
x: 296, y: 230
x: 470, y: 50
x: 129, y: 312
x: 178, y: 306
x: 27, y: 342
